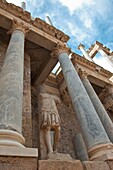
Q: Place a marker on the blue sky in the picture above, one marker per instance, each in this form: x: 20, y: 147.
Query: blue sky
x: 85, y: 21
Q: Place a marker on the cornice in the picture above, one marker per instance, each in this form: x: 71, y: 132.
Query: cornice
x: 104, y: 48
x: 90, y: 65
x: 42, y: 25
x: 37, y: 22
x: 81, y: 60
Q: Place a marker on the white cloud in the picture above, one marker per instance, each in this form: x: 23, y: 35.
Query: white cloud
x: 73, y: 5
x: 88, y: 23
x: 86, y: 19
x: 16, y: 2
x: 80, y: 34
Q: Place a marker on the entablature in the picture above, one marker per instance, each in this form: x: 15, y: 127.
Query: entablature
x: 91, y: 68
x: 40, y: 32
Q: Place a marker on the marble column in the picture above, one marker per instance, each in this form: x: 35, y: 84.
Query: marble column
x: 92, y: 128
x: 11, y: 89
x: 80, y: 147
x: 86, y: 55
x: 104, y: 117
x: 103, y: 54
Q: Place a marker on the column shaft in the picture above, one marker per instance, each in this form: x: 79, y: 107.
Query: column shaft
x: 105, y: 56
x: 80, y: 147
x: 11, y: 84
x: 93, y: 130
x: 86, y: 55
x: 105, y: 119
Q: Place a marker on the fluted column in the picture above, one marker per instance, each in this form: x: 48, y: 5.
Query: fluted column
x: 104, y: 117
x: 86, y: 55
x: 11, y: 89
x: 92, y: 128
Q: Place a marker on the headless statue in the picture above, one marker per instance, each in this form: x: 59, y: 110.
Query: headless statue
x: 50, y: 119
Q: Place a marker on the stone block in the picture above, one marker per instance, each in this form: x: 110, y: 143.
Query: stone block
x: 110, y: 163
x: 18, y: 152
x: 95, y: 165
x: 18, y: 163
x: 59, y: 156
x: 60, y: 165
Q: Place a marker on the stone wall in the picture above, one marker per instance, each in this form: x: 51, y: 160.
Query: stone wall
x: 69, y: 126
x: 18, y: 163
x: 35, y: 117
x: 75, y: 165
x: 26, y: 116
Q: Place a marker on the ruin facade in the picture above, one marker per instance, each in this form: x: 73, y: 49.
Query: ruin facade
x: 51, y: 121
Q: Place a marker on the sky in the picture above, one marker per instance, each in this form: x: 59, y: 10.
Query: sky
x: 85, y: 21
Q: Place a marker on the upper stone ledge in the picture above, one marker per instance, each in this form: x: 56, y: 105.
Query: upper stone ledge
x: 104, y: 48
x: 93, y: 66
x: 42, y: 25
x: 37, y: 22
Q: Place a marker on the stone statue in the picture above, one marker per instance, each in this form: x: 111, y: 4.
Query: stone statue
x: 50, y: 120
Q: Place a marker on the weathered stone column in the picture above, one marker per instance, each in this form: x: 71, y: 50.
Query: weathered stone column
x: 92, y: 128
x: 11, y: 89
x: 104, y: 117
x: 80, y: 147
x: 86, y: 55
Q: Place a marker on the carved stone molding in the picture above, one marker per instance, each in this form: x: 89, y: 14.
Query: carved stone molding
x: 18, y: 26
x: 38, y: 23
x: 60, y: 49
x: 83, y: 74
x: 42, y: 25
x: 15, y: 10
x: 90, y: 65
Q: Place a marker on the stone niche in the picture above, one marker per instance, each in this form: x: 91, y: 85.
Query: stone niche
x: 69, y: 122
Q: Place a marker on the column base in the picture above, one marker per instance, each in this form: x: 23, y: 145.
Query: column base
x: 11, y: 138
x: 18, y: 151
x: 101, y: 152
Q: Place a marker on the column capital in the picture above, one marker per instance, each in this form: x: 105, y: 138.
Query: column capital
x: 109, y: 89
x: 80, y: 46
x: 18, y: 26
x: 83, y: 74
x: 60, y: 49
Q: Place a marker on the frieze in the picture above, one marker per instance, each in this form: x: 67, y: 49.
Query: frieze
x: 15, y: 10
x: 92, y: 66
x: 38, y: 23
x: 42, y: 25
